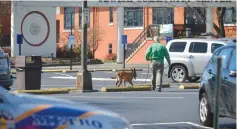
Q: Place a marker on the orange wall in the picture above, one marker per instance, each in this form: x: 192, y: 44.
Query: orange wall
x: 179, y: 15
x: 139, y: 57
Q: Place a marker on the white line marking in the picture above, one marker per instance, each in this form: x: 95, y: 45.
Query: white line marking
x: 197, y: 125
x: 69, y: 85
x: 119, y: 97
x: 147, y: 93
x: 146, y: 73
x: 96, y: 79
x: 63, y: 74
x: 148, y: 124
x: 60, y: 85
x: 171, y: 123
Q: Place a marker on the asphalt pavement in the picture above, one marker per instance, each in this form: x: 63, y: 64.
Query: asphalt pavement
x: 99, y: 79
x: 170, y: 109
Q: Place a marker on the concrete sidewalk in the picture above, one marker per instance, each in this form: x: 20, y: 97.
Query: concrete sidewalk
x: 98, y: 66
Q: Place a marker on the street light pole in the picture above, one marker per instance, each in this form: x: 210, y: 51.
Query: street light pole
x: 84, y: 77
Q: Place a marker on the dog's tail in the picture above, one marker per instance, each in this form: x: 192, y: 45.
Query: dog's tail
x: 114, y: 77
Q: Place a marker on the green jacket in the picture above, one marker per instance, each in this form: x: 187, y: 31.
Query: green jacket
x: 157, y: 51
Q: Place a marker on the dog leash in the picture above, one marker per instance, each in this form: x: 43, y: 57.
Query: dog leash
x: 148, y: 72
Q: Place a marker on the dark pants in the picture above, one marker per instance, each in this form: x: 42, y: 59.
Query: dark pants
x: 157, y: 70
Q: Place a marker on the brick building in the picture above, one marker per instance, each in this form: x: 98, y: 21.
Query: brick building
x: 136, y: 20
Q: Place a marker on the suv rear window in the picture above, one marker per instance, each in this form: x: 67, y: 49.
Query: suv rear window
x: 214, y: 46
x: 198, y: 47
x: 177, y: 46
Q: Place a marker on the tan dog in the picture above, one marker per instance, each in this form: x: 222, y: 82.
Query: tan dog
x: 126, y: 76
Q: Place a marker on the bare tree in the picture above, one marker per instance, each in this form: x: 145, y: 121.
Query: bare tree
x: 5, y: 8
x: 220, y: 11
x: 95, y: 34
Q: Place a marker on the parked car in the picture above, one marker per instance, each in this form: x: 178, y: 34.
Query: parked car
x: 227, y: 98
x: 6, y: 79
x: 25, y: 111
x: 189, y: 56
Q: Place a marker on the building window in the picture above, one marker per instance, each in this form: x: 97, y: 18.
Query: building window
x: 69, y: 17
x: 110, y: 48
x: 195, y: 15
x: 80, y: 18
x: 133, y: 17
x: 111, y: 16
x: 162, y: 15
x: 230, y: 16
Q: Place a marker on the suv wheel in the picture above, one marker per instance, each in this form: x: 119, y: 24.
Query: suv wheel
x: 205, y: 114
x: 178, y: 74
x: 193, y: 79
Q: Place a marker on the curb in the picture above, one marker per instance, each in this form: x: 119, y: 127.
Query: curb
x: 190, y: 86
x: 131, y: 88
x: 82, y: 91
x: 70, y: 89
x: 59, y: 91
x: 119, y: 89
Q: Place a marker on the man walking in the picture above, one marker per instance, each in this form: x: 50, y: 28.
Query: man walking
x: 156, y: 53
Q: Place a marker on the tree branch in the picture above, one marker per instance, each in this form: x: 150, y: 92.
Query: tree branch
x: 5, y: 8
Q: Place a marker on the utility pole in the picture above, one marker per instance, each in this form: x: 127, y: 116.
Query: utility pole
x: 84, y: 77
x: 71, y: 45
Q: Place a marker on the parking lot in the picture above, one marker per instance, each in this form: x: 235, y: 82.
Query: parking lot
x: 100, y: 79
x: 170, y: 109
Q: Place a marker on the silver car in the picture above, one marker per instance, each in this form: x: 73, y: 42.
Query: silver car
x: 189, y: 56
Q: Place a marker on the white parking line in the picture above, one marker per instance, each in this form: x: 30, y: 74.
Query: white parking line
x: 170, y: 123
x: 150, y: 92
x: 118, y: 97
x: 146, y: 73
x: 68, y: 85
x: 95, y: 79
x: 64, y: 74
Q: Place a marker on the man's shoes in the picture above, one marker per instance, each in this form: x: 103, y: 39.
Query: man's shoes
x: 159, y: 90
x: 153, y: 89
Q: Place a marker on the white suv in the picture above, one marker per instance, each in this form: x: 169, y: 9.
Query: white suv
x: 189, y: 58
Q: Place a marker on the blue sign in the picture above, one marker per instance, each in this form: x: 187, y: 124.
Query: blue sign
x: 168, y: 39
x: 124, y: 39
x: 71, y: 40
x: 19, y: 39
